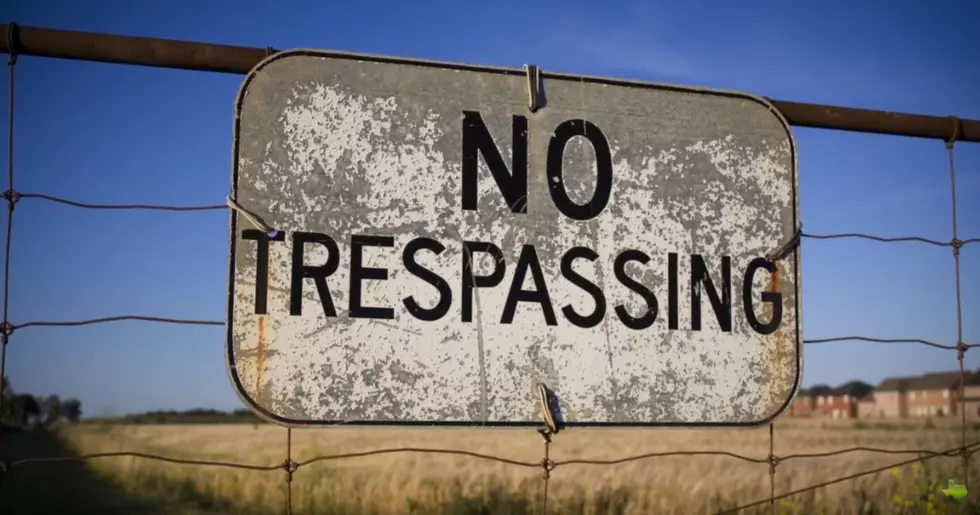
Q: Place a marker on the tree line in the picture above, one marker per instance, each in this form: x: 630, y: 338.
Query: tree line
x: 24, y: 410
x: 21, y: 409
x: 192, y: 416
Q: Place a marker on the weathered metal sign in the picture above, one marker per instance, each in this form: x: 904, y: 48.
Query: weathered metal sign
x: 440, y: 249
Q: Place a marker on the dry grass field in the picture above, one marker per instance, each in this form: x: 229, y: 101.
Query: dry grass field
x: 450, y: 484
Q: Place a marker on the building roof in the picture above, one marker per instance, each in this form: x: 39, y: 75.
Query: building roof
x: 936, y: 381
x: 820, y: 389
x: 894, y: 384
x: 857, y: 389
x: 927, y: 381
x: 972, y: 379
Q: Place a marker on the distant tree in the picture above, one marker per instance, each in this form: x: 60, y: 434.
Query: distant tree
x: 51, y: 409
x: 7, y: 395
x: 25, y: 408
x: 6, y: 391
x: 71, y: 409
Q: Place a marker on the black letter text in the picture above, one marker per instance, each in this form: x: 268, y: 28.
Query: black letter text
x: 318, y: 273
x: 477, y: 140
x: 556, y: 155
x: 721, y: 306
x: 773, y: 298
x: 359, y: 272
x: 573, y: 277
x: 262, y: 240
x: 471, y: 280
x: 619, y: 268
x: 414, y: 268
x: 528, y: 261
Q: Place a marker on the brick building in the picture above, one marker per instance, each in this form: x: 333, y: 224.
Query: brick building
x: 802, y: 405
x: 890, y: 399
x: 848, y: 396
x: 824, y: 401
x: 933, y: 394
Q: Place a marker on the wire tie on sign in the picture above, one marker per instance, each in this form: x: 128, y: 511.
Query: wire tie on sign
x: 550, y: 414
x: 956, y: 132
x: 12, y: 40
x: 533, y: 73
x: 785, y: 249
x: 549, y: 411
x: 251, y: 217
x: 961, y: 348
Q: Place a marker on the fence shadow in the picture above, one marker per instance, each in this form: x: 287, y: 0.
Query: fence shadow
x: 63, y: 487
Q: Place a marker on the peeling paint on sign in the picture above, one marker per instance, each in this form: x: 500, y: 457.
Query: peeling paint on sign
x: 411, y: 197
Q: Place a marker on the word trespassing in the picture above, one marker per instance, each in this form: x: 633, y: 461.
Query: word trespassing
x: 527, y: 264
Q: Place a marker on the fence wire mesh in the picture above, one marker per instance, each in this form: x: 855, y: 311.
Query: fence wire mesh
x: 289, y: 467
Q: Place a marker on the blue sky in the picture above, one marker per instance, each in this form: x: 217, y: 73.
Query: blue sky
x: 109, y: 133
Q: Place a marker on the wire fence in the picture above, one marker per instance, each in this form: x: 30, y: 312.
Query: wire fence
x: 289, y: 466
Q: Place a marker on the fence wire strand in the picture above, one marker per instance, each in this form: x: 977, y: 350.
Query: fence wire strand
x: 150, y: 207
x: 219, y: 207
x: 5, y: 328
x: 290, y: 466
x: 950, y: 452
x: 772, y: 460
x: 221, y: 323
x: 957, y: 244
x: 869, y: 339
x: 552, y: 465
x: 120, y: 318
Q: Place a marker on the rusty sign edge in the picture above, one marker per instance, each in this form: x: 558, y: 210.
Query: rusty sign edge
x: 270, y: 417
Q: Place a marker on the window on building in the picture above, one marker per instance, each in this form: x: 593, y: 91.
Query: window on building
x: 945, y: 394
x: 912, y: 395
x: 820, y: 400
